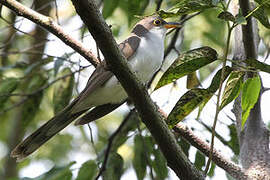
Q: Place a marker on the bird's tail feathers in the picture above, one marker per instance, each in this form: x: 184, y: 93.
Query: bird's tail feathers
x: 44, y: 133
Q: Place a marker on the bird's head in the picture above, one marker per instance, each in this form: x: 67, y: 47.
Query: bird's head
x: 153, y: 24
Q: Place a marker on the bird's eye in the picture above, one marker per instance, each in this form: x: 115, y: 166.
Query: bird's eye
x: 157, y: 22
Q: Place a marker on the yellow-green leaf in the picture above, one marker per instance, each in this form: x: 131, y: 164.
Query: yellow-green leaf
x: 232, y: 88
x: 250, y: 94
x: 187, y: 63
x: 193, y: 98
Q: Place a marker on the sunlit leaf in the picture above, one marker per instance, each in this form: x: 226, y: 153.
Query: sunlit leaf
x: 63, y: 89
x: 88, y: 170
x: 187, y: 63
x: 7, y: 86
x: 250, y: 94
x: 140, y: 160
x: 232, y: 88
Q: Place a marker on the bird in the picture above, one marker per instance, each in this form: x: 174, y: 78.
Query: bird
x: 144, y: 51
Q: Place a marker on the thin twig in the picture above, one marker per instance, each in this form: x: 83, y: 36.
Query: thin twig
x: 47, y: 23
x: 109, y: 146
x: 218, y: 96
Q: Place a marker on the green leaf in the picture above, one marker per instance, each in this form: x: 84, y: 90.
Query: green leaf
x: 234, y: 144
x: 186, y: 104
x: 88, y: 170
x: 140, y: 157
x: 258, y: 65
x: 109, y: 7
x: 56, y: 173
x: 232, y: 88
x: 63, y: 89
x: 187, y: 63
x: 7, y: 86
x: 212, y: 170
x: 227, y: 16
x: 260, y: 15
x: 114, y: 168
x: 160, y: 165
x: 186, y: 7
x: 193, y: 98
x: 199, y: 160
x: 250, y: 94
x: 216, y: 79
x: 184, y: 145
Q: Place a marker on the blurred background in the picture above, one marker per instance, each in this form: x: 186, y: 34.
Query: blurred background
x: 44, y: 74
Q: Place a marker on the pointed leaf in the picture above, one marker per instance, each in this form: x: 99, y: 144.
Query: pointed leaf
x: 7, y: 86
x: 193, y: 98
x: 212, y: 170
x: 88, y: 170
x: 258, y: 65
x: 187, y: 63
x: 140, y: 160
x: 232, y: 88
x: 186, y: 104
x: 250, y: 94
x: 216, y: 79
x: 63, y: 89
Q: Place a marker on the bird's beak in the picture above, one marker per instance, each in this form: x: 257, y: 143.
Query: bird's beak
x: 172, y: 25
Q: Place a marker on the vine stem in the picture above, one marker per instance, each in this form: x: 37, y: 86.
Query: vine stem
x: 218, y: 97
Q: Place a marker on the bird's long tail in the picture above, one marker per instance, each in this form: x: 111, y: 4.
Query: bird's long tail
x: 44, y: 133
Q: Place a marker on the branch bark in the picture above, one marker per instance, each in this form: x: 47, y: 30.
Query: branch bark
x: 148, y: 111
x: 254, y: 139
x: 47, y: 23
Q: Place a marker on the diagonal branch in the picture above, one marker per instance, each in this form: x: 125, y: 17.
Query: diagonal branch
x: 176, y: 159
x: 47, y: 23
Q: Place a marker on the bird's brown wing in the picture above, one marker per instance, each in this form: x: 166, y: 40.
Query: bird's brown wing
x: 99, y: 77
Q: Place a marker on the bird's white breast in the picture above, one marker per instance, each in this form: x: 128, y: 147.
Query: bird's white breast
x: 148, y: 57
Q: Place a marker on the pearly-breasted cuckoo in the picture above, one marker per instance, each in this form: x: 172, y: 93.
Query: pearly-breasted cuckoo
x: 144, y: 50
